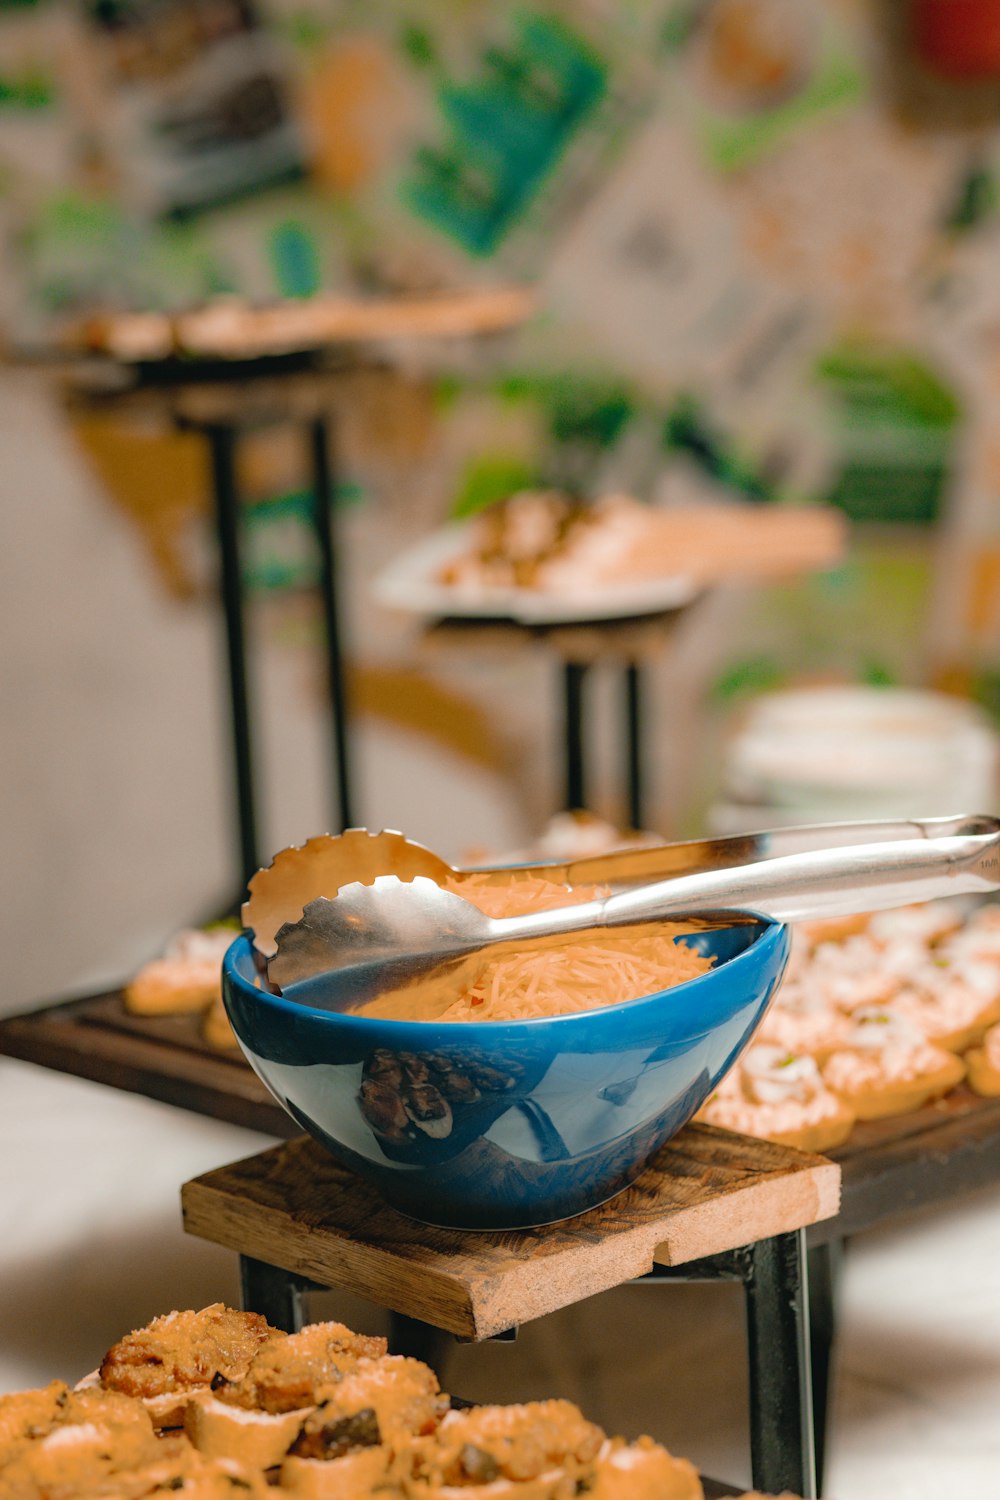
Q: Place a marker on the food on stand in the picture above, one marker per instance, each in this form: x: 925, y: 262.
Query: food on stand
x: 887, y: 1067
x: 548, y: 541
x: 324, y: 1414
x: 216, y: 1028
x: 643, y: 1471
x: 780, y: 1096
x: 887, y: 1006
x: 567, y: 835
x: 187, y: 980
x: 953, y: 1004
x: 165, y: 1363
x: 546, y: 1444
x: 83, y: 1446
x: 400, y: 1393
x: 258, y: 1417
x: 288, y: 1371
x: 801, y: 1021
x: 984, y: 1065
x: 132, y: 337
x: 979, y: 938
x: 232, y: 327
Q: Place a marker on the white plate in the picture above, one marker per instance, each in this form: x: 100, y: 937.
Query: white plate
x: 412, y: 583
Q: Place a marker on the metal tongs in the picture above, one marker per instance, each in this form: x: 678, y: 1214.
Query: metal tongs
x: 388, y: 930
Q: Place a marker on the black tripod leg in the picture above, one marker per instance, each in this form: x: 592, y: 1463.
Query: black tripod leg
x: 323, y: 522
x: 222, y: 443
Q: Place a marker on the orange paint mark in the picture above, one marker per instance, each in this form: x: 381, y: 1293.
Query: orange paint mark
x: 953, y: 678
x: 344, y: 102
x: 855, y: 261
x: 983, y: 610
x: 158, y: 480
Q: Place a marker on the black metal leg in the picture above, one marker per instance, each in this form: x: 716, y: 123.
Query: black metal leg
x: 222, y: 443
x: 824, y: 1264
x: 279, y: 1296
x: 781, y: 1409
x: 633, y: 743
x: 418, y: 1340
x: 322, y: 472
x: 574, y: 677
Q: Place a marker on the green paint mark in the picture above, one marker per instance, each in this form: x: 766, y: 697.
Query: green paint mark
x: 304, y: 31
x: 585, y: 414
x: 447, y: 392
x: 687, y: 429
x: 985, y: 690
x: 295, y: 259
x: 896, y: 422
x: 419, y: 46
x: 892, y: 383
x: 757, y: 674
x: 489, y: 479
x: 837, y: 84
x: 975, y: 202
x: 31, y: 89
x: 875, y: 673
x: 281, y: 544
x: 506, y: 132
x: 679, y: 26
x: 584, y: 408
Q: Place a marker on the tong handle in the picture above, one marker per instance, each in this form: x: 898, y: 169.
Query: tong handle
x: 627, y: 867
x: 827, y: 882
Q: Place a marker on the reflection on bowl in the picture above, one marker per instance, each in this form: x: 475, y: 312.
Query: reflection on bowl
x: 505, y: 1125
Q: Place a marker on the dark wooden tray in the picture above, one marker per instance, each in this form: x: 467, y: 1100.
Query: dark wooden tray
x: 892, y: 1166
x: 889, y: 1166
x: 163, y: 1057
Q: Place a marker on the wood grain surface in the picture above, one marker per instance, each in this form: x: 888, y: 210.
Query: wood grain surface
x: 293, y: 1206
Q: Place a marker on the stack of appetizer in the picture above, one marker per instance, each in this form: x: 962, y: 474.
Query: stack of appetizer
x: 218, y: 1404
x: 187, y: 980
x: 877, y: 1016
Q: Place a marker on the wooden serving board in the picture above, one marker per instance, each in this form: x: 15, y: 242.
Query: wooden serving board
x: 705, y: 1192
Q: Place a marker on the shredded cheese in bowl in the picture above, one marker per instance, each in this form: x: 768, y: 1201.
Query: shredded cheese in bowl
x: 583, y: 972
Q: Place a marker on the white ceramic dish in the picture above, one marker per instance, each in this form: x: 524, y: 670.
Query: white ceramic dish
x: 412, y: 583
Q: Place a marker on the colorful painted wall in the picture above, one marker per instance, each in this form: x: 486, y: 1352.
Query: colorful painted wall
x: 766, y: 234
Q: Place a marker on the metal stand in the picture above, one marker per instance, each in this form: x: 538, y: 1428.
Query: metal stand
x: 775, y: 1283
x: 574, y: 678
x: 418, y: 1340
x: 222, y: 447
x: 279, y: 1296
x: 825, y: 1267
x: 222, y: 436
x: 323, y: 515
x: 782, y: 1443
x: 633, y: 743
x: 576, y: 777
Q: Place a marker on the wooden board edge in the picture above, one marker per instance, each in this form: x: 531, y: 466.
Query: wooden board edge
x: 776, y: 1205
x: 528, y: 1290
x: 213, y: 1214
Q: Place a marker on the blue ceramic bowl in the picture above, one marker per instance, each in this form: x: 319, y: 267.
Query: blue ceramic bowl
x: 503, y: 1125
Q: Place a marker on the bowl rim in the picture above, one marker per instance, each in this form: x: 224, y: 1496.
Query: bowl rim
x: 769, y: 933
